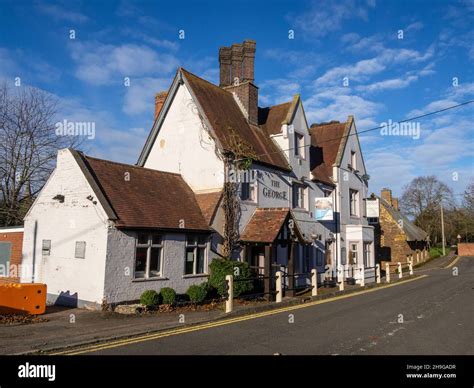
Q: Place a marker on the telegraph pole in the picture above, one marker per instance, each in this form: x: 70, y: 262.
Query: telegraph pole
x: 442, y: 229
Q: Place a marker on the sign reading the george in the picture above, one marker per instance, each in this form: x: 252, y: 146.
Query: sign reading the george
x: 269, y: 193
x: 323, y: 206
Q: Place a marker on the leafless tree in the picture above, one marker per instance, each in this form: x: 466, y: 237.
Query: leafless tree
x: 421, y: 200
x: 28, y: 148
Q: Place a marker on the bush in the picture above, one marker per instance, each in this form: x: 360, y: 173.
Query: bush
x: 168, y: 295
x: 150, y: 298
x: 219, y: 268
x: 197, y: 292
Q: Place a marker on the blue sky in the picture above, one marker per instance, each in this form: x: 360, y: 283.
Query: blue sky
x: 388, y: 78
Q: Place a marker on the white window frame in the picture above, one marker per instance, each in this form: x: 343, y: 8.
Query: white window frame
x: 301, y: 195
x: 353, y: 203
x: 149, y: 245
x: 353, y: 160
x: 253, y: 191
x: 367, y: 253
x: 354, y: 252
x: 299, y: 145
x: 194, y: 238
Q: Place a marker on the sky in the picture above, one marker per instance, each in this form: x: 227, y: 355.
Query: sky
x: 380, y: 61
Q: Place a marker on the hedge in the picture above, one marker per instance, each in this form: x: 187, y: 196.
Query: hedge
x: 150, y: 298
x: 168, y: 295
x: 197, y: 292
x: 219, y: 268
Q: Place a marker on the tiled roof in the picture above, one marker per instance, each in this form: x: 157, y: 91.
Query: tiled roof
x: 145, y: 198
x: 225, y: 117
x: 412, y: 232
x: 265, y: 225
x: 271, y: 118
x: 209, y: 202
x: 326, y: 139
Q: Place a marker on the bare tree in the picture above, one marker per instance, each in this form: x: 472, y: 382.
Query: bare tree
x: 28, y: 148
x: 421, y: 200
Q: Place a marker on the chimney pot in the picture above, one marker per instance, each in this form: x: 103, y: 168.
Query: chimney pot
x: 395, y: 203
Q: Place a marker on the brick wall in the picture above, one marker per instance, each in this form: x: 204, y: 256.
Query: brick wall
x: 16, y: 239
x: 391, y: 244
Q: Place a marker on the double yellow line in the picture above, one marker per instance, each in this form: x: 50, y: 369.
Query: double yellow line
x: 223, y: 322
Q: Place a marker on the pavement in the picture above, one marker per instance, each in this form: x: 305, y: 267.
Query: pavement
x: 345, y: 324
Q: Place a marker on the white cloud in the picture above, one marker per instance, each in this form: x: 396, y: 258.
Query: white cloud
x: 389, y: 84
x: 102, y: 64
x: 139, y: 96
x: 328, y: 16
x: 59, y: 13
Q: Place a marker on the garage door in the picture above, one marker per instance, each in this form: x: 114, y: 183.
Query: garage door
x: 5, y: 254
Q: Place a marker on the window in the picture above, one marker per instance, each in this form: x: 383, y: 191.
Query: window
x: 307, y: 259
x: 353, y: 254
x: 354, y: 202
x: 148, y: 255
x: 80, y: 252
x: 353, y: 160
x: 248, y: 191
x: 46, y: 248
x: 367, y: 254
x: 299, y: 145
x: 299, y: 196
x: 319, y: 257
x: 196, y: 248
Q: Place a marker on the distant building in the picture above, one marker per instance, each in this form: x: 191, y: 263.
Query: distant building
x: 11, y: 240
x: 396, y: 238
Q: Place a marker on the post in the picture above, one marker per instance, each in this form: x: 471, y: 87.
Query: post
x: 279, y: 286
x: 314, y: 282
x: 362, y: 276
x: 341, y: 278
x: 399, y: 267
x: 291, y: 268
x: 377, y: 273
x: 410, y: 266
x: 418, y: 259
x: 387, y: 272
x: 442, y: 229
x: 267, y: 282
x: 229, y: 303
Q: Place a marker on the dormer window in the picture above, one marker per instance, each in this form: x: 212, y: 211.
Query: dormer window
x: 353, y: 160
x: 248, y: 191
x: 299, y: 145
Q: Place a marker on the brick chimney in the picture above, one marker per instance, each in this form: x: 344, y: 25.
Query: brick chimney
x: 386, y: 194
x: 159, y: 101
x: 395, y: 203
x: 237, y: 76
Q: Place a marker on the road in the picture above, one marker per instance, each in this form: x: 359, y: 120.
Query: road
x: 432, y: 315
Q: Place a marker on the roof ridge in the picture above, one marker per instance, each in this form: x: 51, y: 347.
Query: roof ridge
x: 127, y: 165
x: 202, y: 79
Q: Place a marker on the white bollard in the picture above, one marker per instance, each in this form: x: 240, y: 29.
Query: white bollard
x: 377, y: 273
x: 279, y: 287
x: 387, y: 272
x: 399, y: 265
x: 341, y: 278
x: 314, y: 282
x: 362, y: 276
x: 410, y: 266
x: 229, y: 303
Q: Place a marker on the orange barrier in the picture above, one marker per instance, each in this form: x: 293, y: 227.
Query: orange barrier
x: 22, y: 298
x: 466, y: 249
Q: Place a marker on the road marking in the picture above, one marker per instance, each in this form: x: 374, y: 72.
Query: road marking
x: 224, y: 322
x: 453, y: 262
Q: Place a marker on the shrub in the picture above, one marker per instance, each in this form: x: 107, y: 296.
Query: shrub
x: 197, y: 292
x: 150, y: 298
x: 219, y: 268
x: 168, y: 295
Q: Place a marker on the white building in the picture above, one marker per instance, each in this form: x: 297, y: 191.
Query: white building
x: 103, y: 232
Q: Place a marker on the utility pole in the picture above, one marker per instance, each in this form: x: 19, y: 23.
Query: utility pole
x: 442, y: 230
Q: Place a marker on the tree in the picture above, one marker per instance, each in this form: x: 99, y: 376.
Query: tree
x: 421, y: 200
x: 28, y: 148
